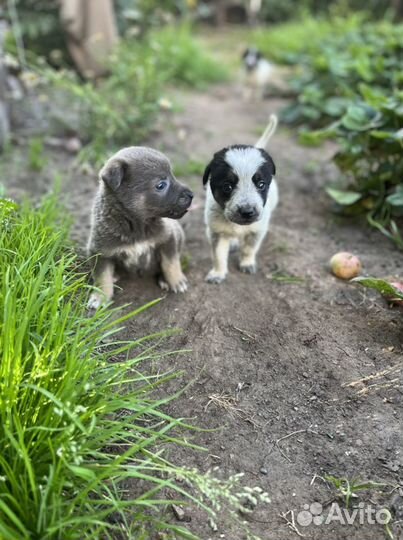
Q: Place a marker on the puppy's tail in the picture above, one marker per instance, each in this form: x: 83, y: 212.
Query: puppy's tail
x: 268, y: 132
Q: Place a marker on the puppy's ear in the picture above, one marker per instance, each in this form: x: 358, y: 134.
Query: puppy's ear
x: 206, y: 174
x: 273, y: 165
x: 113, y: 173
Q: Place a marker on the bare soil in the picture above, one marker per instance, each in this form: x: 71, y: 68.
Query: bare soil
x: 273, y: 355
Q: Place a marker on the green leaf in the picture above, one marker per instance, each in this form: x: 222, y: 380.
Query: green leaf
x: 360, y: 118
x: 345, y: 198
x: 82, y: 472
x: 396, y: 198
x: 380, y: 285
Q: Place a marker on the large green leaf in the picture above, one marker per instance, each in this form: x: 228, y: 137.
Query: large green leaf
x: 396, y: 198
x: 360, y: 118
x: 380, y: 285
x: 345, y: 198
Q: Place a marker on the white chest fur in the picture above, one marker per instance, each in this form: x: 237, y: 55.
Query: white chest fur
x: 132, y: 254
x: 261, y: 75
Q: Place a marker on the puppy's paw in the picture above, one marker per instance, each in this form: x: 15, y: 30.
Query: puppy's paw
x: 248, y: 268
x: 181, y: 286
x: 178, y: 286
x: 163, y: 284
x: 215, y: 277
x: 95, y: 301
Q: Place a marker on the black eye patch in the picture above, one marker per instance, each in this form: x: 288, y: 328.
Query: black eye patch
x: 223, y: 180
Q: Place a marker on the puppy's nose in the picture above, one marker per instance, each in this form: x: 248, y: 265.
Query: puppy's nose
x: 186, y: 198
x: 247, y: 211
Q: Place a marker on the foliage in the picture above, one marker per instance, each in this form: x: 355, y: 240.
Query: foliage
x: 350, y: 488
x: 291, y: 42
x: 274, y: 11
x: 138, y: 16
x: 39, y: 24
x: 41, y: 31
x: 371, y: 160
x: 348, y: 84
x: 193, y: 167
x: 182, y: 58
x: 331, y: 71
x: 78, y: 420
x: 385, y: 288
x: 120, y: 110
x: 36, y: 158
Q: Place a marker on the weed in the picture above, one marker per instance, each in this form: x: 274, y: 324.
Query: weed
x: 36, y: 156
x: 348, y: 489
x: 282, y: 277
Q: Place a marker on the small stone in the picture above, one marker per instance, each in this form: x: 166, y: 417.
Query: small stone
x: 178, y: 512
x: 165, y: 104
x: 73, y: 145
x: 305, y: 374
x: 263, y: 470
x: 182, y: 134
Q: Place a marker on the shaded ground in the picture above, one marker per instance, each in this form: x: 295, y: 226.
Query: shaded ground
x: 271, y: 356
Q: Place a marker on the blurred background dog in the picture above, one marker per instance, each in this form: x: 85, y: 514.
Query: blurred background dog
x: 258, y: 73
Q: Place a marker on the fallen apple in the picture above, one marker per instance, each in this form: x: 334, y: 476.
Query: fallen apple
x: 396, y: 299
x: 345, y: 265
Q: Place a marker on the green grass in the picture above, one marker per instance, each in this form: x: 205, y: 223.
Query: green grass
x: 183, y: 58
x: 283, y: 277
x: 193, y: 167
x: 78, y: 420
x: 36, y: 155
x: 285, y: 43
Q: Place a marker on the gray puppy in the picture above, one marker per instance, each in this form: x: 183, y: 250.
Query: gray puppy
x: 133, y: 218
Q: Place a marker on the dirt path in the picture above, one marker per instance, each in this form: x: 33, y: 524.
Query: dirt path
x: 280, y: 353
x: 270, y: 359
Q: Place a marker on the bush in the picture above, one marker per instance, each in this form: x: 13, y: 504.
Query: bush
x: 371, y: 159
x: 348, y: 84
x: 78, y: 420
x: 142, y: 15
x: 333, y: 68
x: 39, y: 25
x: 274, y: 11
x: 294, y: 41
x: 182, y: 58
x: 120, y: 110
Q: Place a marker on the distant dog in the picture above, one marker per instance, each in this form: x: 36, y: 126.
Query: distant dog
x: 259, y: 72
x: 133, y: 218
x: 241, y: 196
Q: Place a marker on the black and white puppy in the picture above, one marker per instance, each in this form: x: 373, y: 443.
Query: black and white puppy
x: 258, y: 75
x: 134, y: 220
x: 241, y: 196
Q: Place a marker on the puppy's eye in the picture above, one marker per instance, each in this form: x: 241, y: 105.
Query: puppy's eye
x: 161, y: 185
x: 227, y: 187
x: 261, y: 185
